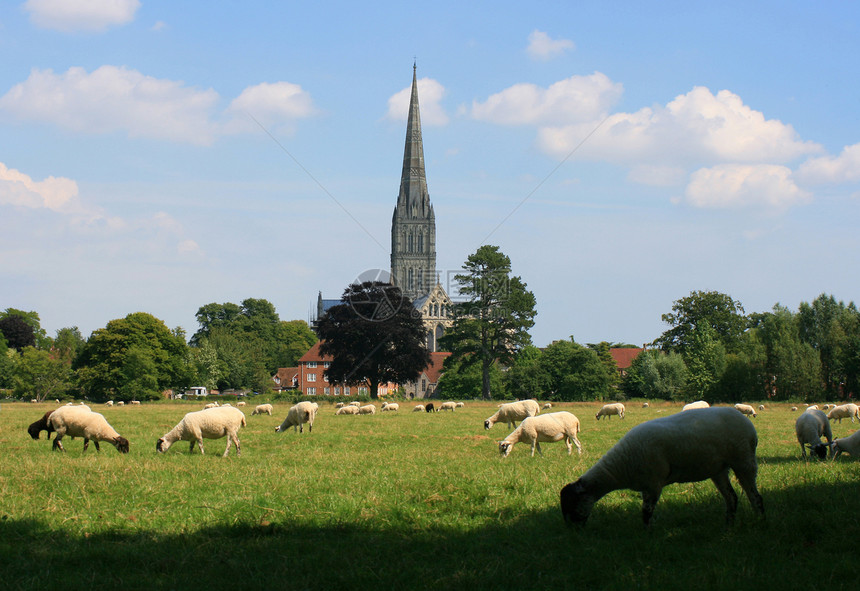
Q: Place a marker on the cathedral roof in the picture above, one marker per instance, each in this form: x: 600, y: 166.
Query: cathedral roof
x: 413, y: 182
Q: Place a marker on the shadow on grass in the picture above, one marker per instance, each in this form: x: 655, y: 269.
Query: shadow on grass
x: 687, y: 547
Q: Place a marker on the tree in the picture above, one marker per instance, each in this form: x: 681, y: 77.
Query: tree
x: 127, y: 353
x: 40, y: 338
x: 17, y: 331
x: 492, y: 325
x: 716, y: 310
x: 38, y: 374
x: 602, y: 350
x: 575, y: 372
x: 830, y: 327
x: 526, y: 377
x: 464, y: 381
x: 705, y: 358
x: 655, y: 374
x: 68, y: 343
x: 374, y: 334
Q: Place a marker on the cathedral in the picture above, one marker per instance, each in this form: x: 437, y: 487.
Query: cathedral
x: 413, y: 236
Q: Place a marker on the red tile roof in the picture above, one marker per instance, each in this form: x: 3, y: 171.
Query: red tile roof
x: 313, y: 354
x: 624, y: 356
x: 434, y: 370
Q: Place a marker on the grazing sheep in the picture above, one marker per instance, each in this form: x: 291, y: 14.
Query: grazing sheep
x: 418, y: 408
x: 696, y: 404
x: 761, y: 406
x: 298, y: 415
x: 812, y: 407
x: 263, y: 408
x: 461, y: 404
x: 355, y: 403
x: 607, y: 410
x: 347, y: 410
x: 809, y: 427
x: 339, y: 405
x: 429, y: 407
x: 211, y: 405
x: 120, y: 403
x: 512, y: 412
x: 684, y: 447
x: 109, y: 403
x: 367, y: 409
x: 241, y: 403
x: 35, y: 429
x: 793, y: 409
x: 390, y: 406
x: 134, y: 402
x: 745, y: 409
x: 555, y: 426
x: 844, y: 411
x: 849, y: 445
x: 80, y: 421
x: 547, y: 405
x: 645, y: 405
x: 213, y: 423
x: 448, y: 406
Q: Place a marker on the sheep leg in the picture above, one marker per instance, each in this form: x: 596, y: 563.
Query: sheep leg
x: 537, y: 445
x: 86, y: 443
x: 649, y: 501
x: 96, y: 443
x: 746, y: 478
x: 191, y: 446
x: 721, y: 481
x: 200, y: 445
x: 578, y: 445
x: 58, y: 444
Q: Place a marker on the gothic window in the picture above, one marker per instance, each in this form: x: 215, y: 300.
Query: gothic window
x: 420, y: 242
x: 410, y: 280
x: 409, y: 247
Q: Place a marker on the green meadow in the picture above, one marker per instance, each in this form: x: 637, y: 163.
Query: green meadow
x: 402, y: 501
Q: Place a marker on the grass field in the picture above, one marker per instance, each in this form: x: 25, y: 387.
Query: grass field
x: 402, y: 501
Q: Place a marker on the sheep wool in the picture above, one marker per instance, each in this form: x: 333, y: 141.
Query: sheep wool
x: 367, y: 409
x: 849, y: 445
x: 390, y: 407
x: 685, y: 447
x: 844, y: 411
x: 80, y: 421
x: 548, y: 428
x: 212, y: 423
x: 512, y: 412
x: 696, y: 404
x: 809, y: 427
x: 418, y: 408
x: 745, y: 409
x: 607, y: 410
x: 347, y: 410
x: 448, y: 406
x: 298, y: 415
x: 263, y: 408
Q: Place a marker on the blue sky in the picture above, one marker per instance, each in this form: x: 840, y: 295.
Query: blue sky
x: 157, y: 156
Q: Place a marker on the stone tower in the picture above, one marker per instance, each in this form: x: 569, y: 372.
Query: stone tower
x: 413, y: 226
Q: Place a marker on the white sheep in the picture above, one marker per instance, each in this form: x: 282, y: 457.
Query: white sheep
x: 367, y: 409
x: 338, y: 405
x: 512, y: 412
x: 80, y: 421
x: 745, y: 409
x: 212, y: 423
x: 645, y: 405
x: 761, y: 406
x: 448, y: 406
x: 241, y: 403
x: 812, y: 407
x: 547, y: 405
x: 135, y: 402
x: 120, y: 403
x: 696, y: 404
x: 849, y: 445
x: 607, y: 410
x: 461, y: 404
x: 793, y: 409
x: 809, y: 427
x: 555, y: 426
x: 418, y: 408
x: 390, y: 407
x: 684, y: 447
x: 109, y: 403
x: 263, y: 408
x: 211, y: 405
x: 355, y: 403
x: 347, y: 410
x: 298, y: 415
x: 844, y: 411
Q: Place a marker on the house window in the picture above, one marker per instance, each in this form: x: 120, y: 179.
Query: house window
x: 312, y: 364
x: 312, y: 377
x: 423, y: 385
x: 326, y: 364
x: 337, y: 390
x: 327, y: 391
x: 312, y: 391
x: 346, y: 390
x: 362, y: 390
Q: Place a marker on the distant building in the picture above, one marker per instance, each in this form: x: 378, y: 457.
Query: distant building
x: 426, y: 385
x: 623, y: 357
x: 287, y: 378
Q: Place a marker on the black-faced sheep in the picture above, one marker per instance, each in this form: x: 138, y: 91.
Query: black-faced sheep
x: 512, y: 412
x: 41, y: 425
x: 809, y: 427
x: 298, y: 415
x: 607, y: 410
x: 211, y: 423
x: 80, y: 421
x: 548, y: 428
x: 685, y: 447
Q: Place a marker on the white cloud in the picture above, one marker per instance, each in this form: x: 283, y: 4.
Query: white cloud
x: 430, y: 93
x: 694, y: 128
x: 17, y: 188
x: 113, y: 99
x: 574, y: 100
x: 80, y: 15
x: 844, y: 168
x: 541, y: 47
x: 742, y: 186
x: 275, y: 103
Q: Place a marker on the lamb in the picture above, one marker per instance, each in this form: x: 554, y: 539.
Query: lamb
x: 512, y: 412
x: 80, y: 421
x: 35, y: 429
x: 844, y: 411
x: 390, y: 406
x: 685, y: 447
x: 745, y: 409
x: 263, y: 408
x: 347, y: 410
x: 367, y: 409
x: 213, y: 423
x: 696, y: 404
x: 850, y: 445
x: 555, y: 426
x: 809, y: 427
x: 298, y: 415
x: 607, y: 410
x: 418, y: 408
x: 429, y: 407
x: 448, y: 406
